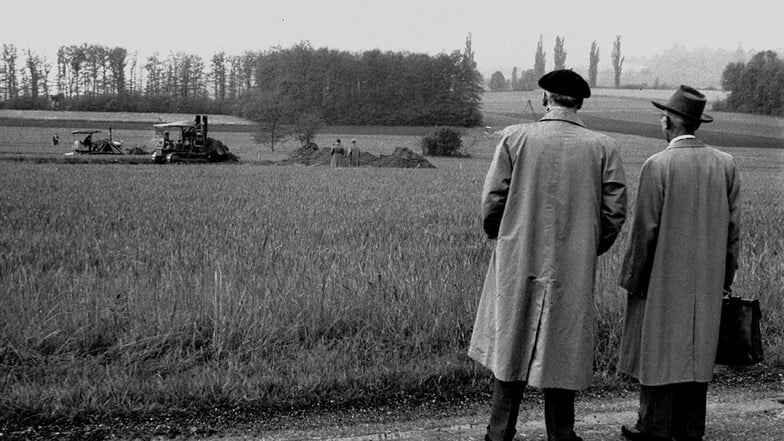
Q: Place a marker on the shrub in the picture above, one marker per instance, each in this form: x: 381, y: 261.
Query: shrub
x: 444, y: 141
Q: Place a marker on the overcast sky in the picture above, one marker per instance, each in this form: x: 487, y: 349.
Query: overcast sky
x: 504, y: 32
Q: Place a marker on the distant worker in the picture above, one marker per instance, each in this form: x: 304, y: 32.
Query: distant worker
x: 337, y: 153
x: 353, y: 154
x: 167, y: 142
x: 554, y: 199
x: 55, y: 139
x: 88, y: 142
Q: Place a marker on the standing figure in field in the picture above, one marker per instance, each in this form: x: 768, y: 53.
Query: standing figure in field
x: 682, y: 252
x: 555, y: 199
x: 55, y: 139
x: 337, y: 153
x: 353, y: 154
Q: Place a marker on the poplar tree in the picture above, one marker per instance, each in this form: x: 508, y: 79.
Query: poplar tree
x: 593, y: 64
x: 539, y: 60
x: 617, y: 60
x: 559, y: 53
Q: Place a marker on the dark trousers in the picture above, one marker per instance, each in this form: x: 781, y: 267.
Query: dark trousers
x: 673, y: 410
x: 507, y: 395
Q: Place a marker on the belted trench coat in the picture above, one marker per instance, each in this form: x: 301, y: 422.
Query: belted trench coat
x: 555, y: 198
x: 682, y: 252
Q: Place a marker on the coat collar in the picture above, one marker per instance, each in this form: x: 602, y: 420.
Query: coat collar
x: 685, y: 142
x: 558, y: 114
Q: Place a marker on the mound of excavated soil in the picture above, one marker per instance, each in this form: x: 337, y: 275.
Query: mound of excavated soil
x: 401, y: 157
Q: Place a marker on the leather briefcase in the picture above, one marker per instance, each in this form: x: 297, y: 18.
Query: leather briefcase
x: 740, y: 340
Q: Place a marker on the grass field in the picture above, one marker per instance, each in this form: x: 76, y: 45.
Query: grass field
x: 144, y: 289
x: 635, y: 106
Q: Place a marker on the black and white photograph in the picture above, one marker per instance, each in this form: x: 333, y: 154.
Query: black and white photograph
x: 401, y: 220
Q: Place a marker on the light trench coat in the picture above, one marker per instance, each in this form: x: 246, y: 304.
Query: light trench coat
x: 682, y: 252
x: 555, y: 196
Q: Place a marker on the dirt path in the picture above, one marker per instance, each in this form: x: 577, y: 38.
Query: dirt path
x: 733, y: 414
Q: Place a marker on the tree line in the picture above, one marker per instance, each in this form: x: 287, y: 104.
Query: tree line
x: 754, y: 87
x: 527, y: 79
x: 372, y: 87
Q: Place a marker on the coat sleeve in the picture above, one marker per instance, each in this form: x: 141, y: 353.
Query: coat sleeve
x: 613, y: 199
x: 733, y: 232
x: 638, y: 261
x: 496, y: 189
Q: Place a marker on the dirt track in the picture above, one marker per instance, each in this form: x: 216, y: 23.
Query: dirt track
x: 733, y: 414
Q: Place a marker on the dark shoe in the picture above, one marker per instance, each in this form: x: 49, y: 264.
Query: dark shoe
x: 631, y: 432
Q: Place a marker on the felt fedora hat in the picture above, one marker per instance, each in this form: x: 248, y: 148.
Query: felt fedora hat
x: 687, y: 102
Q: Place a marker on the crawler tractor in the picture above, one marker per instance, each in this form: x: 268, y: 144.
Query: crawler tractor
x: 187, y: 141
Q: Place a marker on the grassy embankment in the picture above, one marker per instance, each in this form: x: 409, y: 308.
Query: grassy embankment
x: 132, y: 289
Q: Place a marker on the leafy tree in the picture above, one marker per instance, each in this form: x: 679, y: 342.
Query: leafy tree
x: 559, y: 53
x: 757, y: 86
x: 730, y: 78
x: 528, y: 80
x: 117, y: 63
x: 498, y: 82
x: 272, y: 110
x: 443, y: 141
x: 593, y: 64
x: 307, y: 126
x: 539, y: 59
x: 617, y: 60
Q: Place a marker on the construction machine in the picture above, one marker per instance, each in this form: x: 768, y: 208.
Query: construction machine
x: 187, y: 141
x: 87, y: 146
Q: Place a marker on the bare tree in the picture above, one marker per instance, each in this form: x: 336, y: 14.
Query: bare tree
x: 62, y: 69
x: 132, y: 73
x: 10, y: 56
x: 218, y: 75
x: 77, y: 58
x: 617, y: 60
x: 154, y: 68
x: 34, y: 72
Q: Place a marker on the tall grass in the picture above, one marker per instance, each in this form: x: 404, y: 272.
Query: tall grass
x: 137, y: 288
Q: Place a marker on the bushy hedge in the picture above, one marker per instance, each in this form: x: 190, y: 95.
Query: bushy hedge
x: 443, y: 141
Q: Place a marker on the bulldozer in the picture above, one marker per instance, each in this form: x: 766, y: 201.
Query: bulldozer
x: 189, y: 143
x: 87, y: 146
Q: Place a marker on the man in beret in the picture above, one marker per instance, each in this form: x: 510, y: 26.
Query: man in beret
x: 554, y: 199
x: 682, y: 253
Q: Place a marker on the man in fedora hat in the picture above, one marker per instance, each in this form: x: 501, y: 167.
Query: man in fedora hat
x: 682, y: 253
x: 554, y: 198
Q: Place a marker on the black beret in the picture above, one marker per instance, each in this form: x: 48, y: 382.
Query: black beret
x: 565, y: 82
